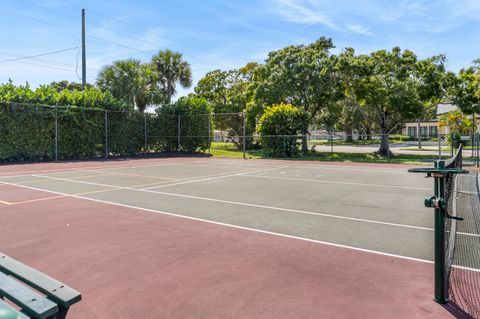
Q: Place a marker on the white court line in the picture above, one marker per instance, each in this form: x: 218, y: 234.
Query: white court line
x: 243, y: 204
x: 334, y: 182
x: 308, y: 164
x: 217, y: 177
x: 466, y: 268
x: 297, y: 211
x: 228, y: 225
x: 94, y: 168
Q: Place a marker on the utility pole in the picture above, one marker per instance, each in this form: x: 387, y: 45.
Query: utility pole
x: 84, y: 55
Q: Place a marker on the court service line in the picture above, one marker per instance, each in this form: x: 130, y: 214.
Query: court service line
x: 313, y: 164
x: 335, y: 182
x: 217, y: 177
x: 229, y: 225
x: 135, y: 175
x: 5, y: 203
x: 297, y: 211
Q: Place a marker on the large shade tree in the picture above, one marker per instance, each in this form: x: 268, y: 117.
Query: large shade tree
x: 303, y: 75
x: 391, y: 87
x: 132, y: 82
x: 466, y: 91
x: 171, y: 69
x: 227, y: 91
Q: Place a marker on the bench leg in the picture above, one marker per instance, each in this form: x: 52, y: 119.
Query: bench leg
x: 61, y: 314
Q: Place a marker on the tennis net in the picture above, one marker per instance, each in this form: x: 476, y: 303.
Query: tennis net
x: 463, y: 240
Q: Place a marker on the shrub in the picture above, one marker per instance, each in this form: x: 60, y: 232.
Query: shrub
x: 192, y: 114
x: 279, y: 126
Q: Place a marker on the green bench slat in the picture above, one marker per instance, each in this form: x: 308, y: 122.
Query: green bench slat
x: 8, y: 312
x: 31, y: 302
x: 54, y: 289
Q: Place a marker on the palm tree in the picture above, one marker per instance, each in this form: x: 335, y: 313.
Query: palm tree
x: 170, y: 69
x: 131, y: 81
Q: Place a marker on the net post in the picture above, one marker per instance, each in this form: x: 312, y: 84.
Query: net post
x: 440, y: 267
x: 106, y: 134
x: 56, y: 133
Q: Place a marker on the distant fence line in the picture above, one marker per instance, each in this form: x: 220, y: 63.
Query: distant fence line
x: 30, y: 132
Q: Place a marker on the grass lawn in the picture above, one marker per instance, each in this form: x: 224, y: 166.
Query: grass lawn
x: 229, y: 150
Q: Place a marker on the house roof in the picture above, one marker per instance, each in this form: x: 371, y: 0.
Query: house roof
x: 443, y: 108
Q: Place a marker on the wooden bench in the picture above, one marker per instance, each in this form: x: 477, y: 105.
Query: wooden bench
x: 34, y: 294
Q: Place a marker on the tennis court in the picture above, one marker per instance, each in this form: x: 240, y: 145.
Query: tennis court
x: 225, y: 238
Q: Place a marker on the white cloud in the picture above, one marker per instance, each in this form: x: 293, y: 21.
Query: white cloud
x: 359, y: 29
x: 303, y: 12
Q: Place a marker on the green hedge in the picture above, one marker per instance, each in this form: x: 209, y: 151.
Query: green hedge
x: 27, y: 133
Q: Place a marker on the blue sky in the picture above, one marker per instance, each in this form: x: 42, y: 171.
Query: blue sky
x: 224, y: 34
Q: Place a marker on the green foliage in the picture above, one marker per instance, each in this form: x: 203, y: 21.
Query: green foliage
x: 170, y: 69
x: 71, y: 86
x: 46, y: 95
x: 278, y: 122
x: 466, y: 91
x: 132, y: 82
x: 228, y: 92
x: 26, y: 133
x: 392, y: 87
x: 193, y: 115
x: 458, y: 123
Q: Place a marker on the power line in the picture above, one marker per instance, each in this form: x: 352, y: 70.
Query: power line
x: 95, y: 24
x: 38, y: 55
x: 145, y: 30
x: 70, y: 30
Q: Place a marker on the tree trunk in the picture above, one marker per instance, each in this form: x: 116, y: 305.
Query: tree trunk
x: 384, y: 144
x: 349, y: 134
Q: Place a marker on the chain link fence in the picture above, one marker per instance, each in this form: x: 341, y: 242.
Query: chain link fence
x: 45, y: 133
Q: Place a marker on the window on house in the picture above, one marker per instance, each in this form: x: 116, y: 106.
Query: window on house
x: 423, y: 130
x: 433, y: 130
x: 412, y: 131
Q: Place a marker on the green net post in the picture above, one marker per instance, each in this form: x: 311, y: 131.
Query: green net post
x: 438, y: 202
x: 440, y: 271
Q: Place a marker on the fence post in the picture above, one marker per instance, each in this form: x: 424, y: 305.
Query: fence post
x: 56, y: 133
x: 284, y: 146
x: 451, y: 143
x: 145, y: 132
x: 331, y: 147
x: 439, y: 146
x: 106, y: 134
x: 209, y: 133
x: 388, y: 153
x: 244, y: 137
x: 178, y: 134
x: 478, y: 149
